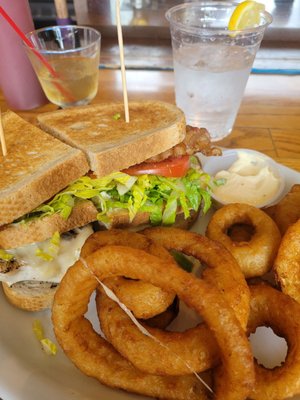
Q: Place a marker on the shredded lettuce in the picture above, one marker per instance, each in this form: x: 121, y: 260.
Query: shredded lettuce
x: 158, y: 195
x: 116, y: 116
x: 48, y: 346
x: 5, y: 256
x: 49, y: 249
x: 182, y: 260
x: 38, y: 329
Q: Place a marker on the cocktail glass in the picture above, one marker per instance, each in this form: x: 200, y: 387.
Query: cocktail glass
x: 72, y: 53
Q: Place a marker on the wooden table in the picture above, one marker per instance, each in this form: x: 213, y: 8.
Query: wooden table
x: 268, y: 121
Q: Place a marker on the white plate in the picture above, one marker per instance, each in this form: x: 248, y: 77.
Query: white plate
x: 27, y: 373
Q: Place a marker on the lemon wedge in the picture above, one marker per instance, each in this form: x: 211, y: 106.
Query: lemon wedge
x: 245, y: 15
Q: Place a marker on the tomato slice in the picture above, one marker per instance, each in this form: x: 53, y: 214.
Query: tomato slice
x: 171, y: 167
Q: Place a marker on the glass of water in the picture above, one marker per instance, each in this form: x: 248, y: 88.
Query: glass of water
x: 211, y: 63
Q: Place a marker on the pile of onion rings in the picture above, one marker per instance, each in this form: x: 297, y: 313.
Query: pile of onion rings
x: 96, y: 357
x: 144, y: 358
x: 221, y: 269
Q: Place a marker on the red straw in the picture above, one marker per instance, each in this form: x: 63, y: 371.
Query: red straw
x: 38, y: 54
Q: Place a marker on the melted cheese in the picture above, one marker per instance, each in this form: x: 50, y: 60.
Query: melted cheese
x: 36, y: 268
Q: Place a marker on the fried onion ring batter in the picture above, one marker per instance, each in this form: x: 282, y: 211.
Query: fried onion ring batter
x: 287, y: 263
x: 196, y: 345
x: 272, y: 308
x: 195, y: 349
x: 287, y: 211
x: 257, y: 255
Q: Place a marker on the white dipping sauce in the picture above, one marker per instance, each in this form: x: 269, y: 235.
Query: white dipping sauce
x: 250, y: 179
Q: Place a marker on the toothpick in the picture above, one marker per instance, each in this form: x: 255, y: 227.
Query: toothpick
x: 121, y: 49
x: 2, y: 137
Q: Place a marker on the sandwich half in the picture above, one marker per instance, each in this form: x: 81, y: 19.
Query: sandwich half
x: 144, y: 170
x: 35, y: 169
x: 139, y: 173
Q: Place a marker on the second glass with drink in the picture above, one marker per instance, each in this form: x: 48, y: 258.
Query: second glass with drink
x: 72, y: 53
x: 211, y: 63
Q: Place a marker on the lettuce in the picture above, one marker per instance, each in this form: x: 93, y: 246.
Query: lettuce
x: 157, y: 195
x: 38, y: 329
x: 49, y: 249
x: 48, y: 346
x: 4, y: 256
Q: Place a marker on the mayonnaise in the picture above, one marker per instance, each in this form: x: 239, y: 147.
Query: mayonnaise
x: 250, y: 180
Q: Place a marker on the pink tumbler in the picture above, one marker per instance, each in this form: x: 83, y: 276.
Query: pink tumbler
x: 18, y: 81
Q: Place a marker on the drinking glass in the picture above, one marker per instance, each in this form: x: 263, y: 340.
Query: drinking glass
x: 211, y: 63
x: 68, y: 70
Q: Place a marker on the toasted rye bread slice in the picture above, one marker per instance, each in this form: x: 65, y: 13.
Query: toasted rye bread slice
x: 109, y: 142
x: 36, y: 167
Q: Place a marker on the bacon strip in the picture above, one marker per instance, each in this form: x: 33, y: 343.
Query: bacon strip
x: 196, y: 140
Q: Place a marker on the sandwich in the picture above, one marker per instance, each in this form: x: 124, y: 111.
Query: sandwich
x: 134, y: 174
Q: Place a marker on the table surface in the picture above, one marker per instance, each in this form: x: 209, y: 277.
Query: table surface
x: 268, y: 119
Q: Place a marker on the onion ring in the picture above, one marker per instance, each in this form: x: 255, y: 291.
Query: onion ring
x: 96, y: 358
x: 223, y: 272
x: 272, y: 308
x: 142, y: 298
x: 287, y: 211
x: 287, y: 262
x: 74, y: 332
x: 164, y: 319
x: 257, y: 255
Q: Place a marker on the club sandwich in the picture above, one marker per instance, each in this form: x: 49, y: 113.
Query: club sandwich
x: 87, y: 164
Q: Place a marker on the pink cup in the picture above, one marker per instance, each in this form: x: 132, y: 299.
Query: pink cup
x: 18, y: 80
